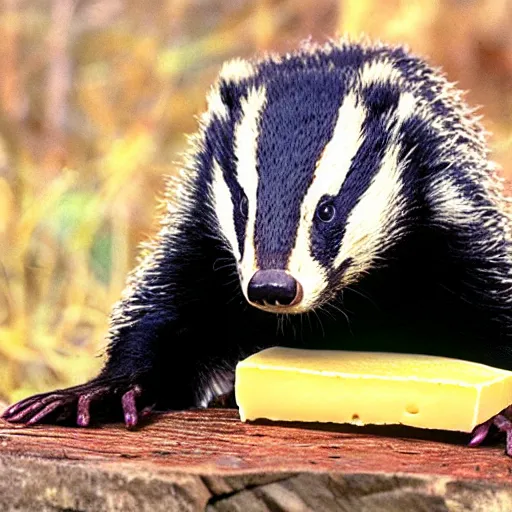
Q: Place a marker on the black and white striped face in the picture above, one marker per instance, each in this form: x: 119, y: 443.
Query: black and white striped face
x: 306, y: 176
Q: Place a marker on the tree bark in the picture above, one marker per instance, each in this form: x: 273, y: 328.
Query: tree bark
x: 209, y: 460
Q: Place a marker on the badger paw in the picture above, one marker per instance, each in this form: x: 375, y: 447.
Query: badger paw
x: 62, y: 404
x: 503, y: 422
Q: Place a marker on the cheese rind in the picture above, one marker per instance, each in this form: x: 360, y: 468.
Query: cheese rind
x: 369, y: 388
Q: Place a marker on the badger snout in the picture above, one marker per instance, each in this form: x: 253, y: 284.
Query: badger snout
x: 274, y: 288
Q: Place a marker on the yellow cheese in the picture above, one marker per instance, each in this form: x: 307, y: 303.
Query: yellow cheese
x: 369, y: 388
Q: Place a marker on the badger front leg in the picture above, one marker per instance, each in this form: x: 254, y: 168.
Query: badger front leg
x: 159, y: 353
x: 128, y: 386
x: 479, y: 273
x: 503, y: 423
x: 61, y: 404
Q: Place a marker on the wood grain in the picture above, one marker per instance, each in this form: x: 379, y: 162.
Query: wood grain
x: 208, y: 459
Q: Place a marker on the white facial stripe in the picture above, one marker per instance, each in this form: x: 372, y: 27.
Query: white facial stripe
x: 224, y: 208
x: 378, y: 211
x: 330, y: 173
x: 334, y: 164
x: 369, y: 221
x: 246, y: 145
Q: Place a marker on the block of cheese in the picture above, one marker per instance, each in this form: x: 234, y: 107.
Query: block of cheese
x: 369, y: 388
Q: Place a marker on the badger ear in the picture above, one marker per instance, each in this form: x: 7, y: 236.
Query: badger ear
x: 236, y: 71
x: 216, y: 104
x: 225, y: 96
x: 229, y: 94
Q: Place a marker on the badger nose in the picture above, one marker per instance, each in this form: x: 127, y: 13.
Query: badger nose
x: 274, y: 288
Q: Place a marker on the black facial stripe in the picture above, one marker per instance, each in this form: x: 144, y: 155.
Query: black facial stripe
x: 420, y: 147
x: 296, y: 125
x: 219, y: 145
x: 326, y: 238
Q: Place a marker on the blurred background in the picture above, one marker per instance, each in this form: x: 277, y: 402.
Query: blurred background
x: 96, y: 97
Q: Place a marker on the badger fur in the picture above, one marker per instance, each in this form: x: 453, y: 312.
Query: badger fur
x: 340, y: 196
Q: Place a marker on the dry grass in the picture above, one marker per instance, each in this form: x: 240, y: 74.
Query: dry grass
x: 95, y: 99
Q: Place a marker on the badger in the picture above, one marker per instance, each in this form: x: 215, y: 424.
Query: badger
x: 340, y: 196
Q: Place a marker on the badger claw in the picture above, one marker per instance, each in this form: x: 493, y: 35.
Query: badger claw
x: 503, y: 422
x: 33, y: 409
x: 83, y: 416
x: 129, y: 407
x: 77, y: 400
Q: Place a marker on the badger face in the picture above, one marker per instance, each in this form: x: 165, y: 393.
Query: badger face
x: 306, y: 179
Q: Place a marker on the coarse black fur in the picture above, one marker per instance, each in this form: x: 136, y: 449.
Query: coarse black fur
x: 441, y: 286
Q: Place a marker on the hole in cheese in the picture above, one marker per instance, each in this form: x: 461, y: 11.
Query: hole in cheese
x: 356, y: 420
x: 412, y: 409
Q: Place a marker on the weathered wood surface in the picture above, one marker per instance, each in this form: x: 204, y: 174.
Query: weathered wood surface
x: 209, y: 460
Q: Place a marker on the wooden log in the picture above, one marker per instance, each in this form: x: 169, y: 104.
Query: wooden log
x: 209, y: 460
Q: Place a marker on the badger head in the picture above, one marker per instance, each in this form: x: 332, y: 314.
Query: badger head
x: 306, y: 166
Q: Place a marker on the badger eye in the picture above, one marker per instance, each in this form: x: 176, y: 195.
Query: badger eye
x: 326, y: 212
x: 244, y: 206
